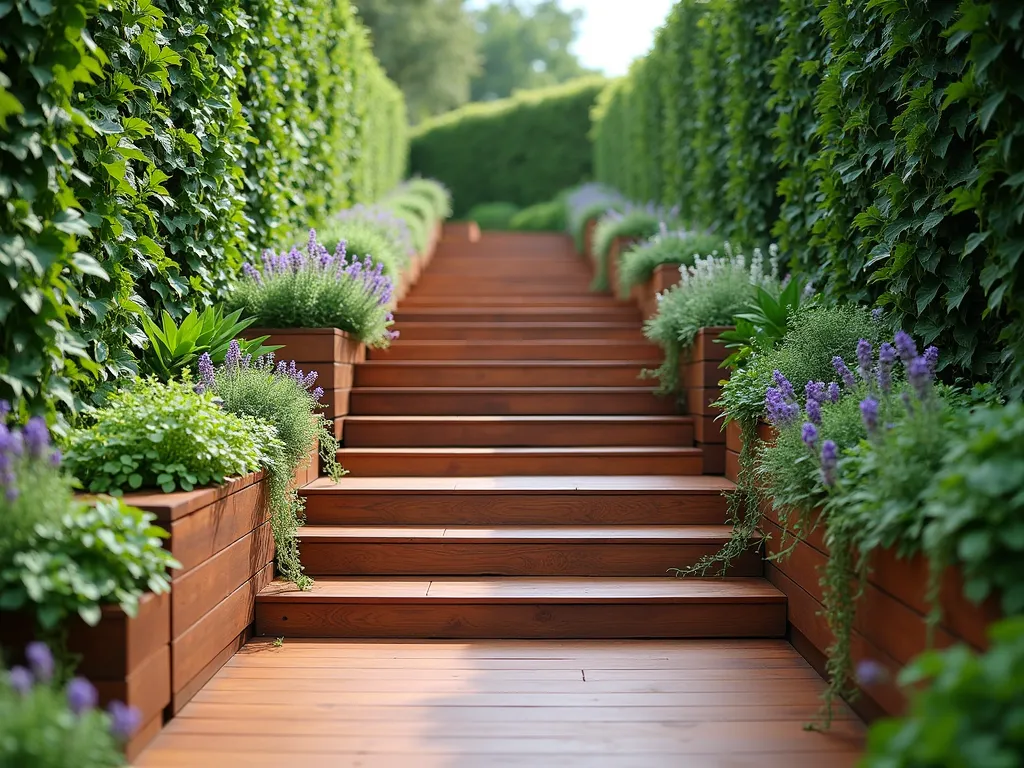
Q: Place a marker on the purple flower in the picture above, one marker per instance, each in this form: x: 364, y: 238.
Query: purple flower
x: 783, y: 384
x: 931, y: 356
x: 809, y: 434
x: 876, y: 314
x: 869, y: 414
x: 833, y: 392
x: 36, y: 437
x: 886, y: 361
x: 920, y: 376
x: 317, y: 393
x: 55, y: 458
x: 206, y: 371
x: 20, y: 679
x: 252, y: 273
x: 905, y: 346
x: 814, y: 410
x: 234, y: 355
x: 869, y: 673
x: 815, y: 390
x: 82, y: 695
x: 865, y: 356
x: 40, y: 660
x: 844, y: 372
x: 124, y: 720
x: 780, y: 411
x: 829, y: 462
x: 5, y: 408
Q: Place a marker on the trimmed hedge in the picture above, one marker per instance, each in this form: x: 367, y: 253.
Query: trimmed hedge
x: 146, y: 150
x: 883, y: 147
x: 522, y: 150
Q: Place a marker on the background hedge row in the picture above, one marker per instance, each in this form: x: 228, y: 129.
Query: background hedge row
x: 521, y: 150
x: 147, y: 147
x: 881, y: 144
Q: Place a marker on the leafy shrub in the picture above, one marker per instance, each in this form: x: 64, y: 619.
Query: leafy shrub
x: 383, y: 220
x: 364, y: 241
x: 637, y: 265
x: 586, y: 203
x: 964, y: 708
x: 418, y: 213
x: 48, y: 726
x: 434, y: 192
x: 150, y: 434
x: 709, y: 294
x: 766, y: 321
x: 283, y: 397
x: 496, y: 216
x: 542, y: 217
x: 633, y: 221
x: 316, y: 289
x: 521, y: 149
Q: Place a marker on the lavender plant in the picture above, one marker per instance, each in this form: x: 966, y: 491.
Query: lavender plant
x: 317, y: 289
x: 44, y: 724
x: 630, y: 220
x: 589, y: 202
x: 280, y: 395
x: 668, y: 246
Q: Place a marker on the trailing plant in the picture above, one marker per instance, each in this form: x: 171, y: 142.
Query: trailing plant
x: 163, y: 435
x: 965, y: 708
x: 48, y: 725
x: 637, y: 265
x: 633, y: 221
x: 175, y: 348
x: 317, y: 289
x: 709, y: 294
x: 496, y: 216
x: 283, y: 397
x: 765, y: 322
x: 541, y: 217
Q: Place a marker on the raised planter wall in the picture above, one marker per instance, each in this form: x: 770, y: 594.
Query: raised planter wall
x: 700, y: 378
x: 646, y: 294
x: 618, y: 246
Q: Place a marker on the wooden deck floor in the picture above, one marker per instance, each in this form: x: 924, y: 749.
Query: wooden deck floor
x: 482, y: 703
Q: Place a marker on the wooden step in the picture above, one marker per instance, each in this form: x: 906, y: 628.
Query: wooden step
x: 516, y: 431
x: 522, y: 314
x: 501, y: 373
x: 496, y: 401
x: 541, y: 500
x: 480, y: 349
x: 428, y: 285
x: 513, y: 551
x: 463, y: 462
x: 526, y: 607
x: 520, y: 331
x: 502, y: 300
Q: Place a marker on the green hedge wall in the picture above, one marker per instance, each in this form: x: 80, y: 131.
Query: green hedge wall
x: 521, y: 150
x: 147, y: 148
x: 882, y: 143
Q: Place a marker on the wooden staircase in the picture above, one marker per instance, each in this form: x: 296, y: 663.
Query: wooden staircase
x: 511, y: 476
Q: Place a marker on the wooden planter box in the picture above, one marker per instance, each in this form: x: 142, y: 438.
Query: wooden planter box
x: 588, y: 238
x: 127, y: 659
x: 330, y: 352
x: 461, y: 231
x: 646, y: 294
x: 222, y: 538
x: 619, y: 246
x: 699, y: 377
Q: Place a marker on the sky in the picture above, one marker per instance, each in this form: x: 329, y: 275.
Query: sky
x: 614, y: 32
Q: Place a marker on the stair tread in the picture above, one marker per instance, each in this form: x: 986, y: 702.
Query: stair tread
x: 640, y: 419
x: 509, y: 534
x: 570, y: 484
x: 527, y: 589
x: 504, y: 390
x: 589, y: 450
x: 504, y: 363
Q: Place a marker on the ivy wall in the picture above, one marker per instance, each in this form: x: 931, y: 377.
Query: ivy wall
x: 880, y: 143
x: 147, y: 146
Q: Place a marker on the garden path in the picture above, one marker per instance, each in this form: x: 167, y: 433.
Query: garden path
x: 492, y: 579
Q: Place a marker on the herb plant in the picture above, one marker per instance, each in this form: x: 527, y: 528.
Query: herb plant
x: 633, y: 221
x: 317, y: 289
x: 680, y: 247
x: 380, y: 219
x: 586, y: 203
x: 364, y: 242
x: 765, y: 322
x: 432, y: 191
x: 156, y: 435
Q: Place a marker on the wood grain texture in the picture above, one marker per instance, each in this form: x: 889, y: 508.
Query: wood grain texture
x: 197, y: 537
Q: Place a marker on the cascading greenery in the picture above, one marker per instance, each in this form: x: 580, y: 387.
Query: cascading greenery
x: 147, y: 148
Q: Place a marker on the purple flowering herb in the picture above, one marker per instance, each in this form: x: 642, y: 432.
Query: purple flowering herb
x: 234, y: 355
x: 869, y: 673
x: 5, y: 408
x: 783, y: 384
x: 865, y: 356
x: 20, y: 679
x: 81, y: 695
x: 124, y: 720
x: 809, y: 434
x: 931, y: 356
x: 317, y: 393
x: 55, y: 458
x: 207, y: 375
x: 876, y: 314
x: 834, y: 392
x: 779, y: 410
x: 40, y: 660
x: 252, y: 273
x: 869, y: 414
x: 829, y: 462
x: 905, y: 346
x: 920, y: 376
x: 844, y: 372
x: 886, y: 361
x: 815, y: 390
x: 36, y: 437
x: 813, y: 409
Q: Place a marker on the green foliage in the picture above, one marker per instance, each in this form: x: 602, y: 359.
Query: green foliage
x: 965, y: 708
x: 259, y: 393
x: 634, y: 222
x: 523, y: 149
x: 765, y: 323
x: 710, y: 142
x: 175, y: 348
x: 38, y: 729
x: 588, y: 203
x: 99, y: 553
x: 364, y: 239
x: 155, y: 435
x: 418, y: 213
x: 542, y: 217
x: 493, y: 215
x: 612, y: 126
x: 637, y: 264
x: 434, y: 192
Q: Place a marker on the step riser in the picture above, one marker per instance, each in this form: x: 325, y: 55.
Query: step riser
x: 583, y: 315
x: 499, y: 300
x: 488, y: 464
x: 511, y: 508
x: 509, y: 559
x: 517, y: 621
x: 641, y: 403
x: 480, y: 287
x: 505, y: 376
x: 646, y: 353
x: 471, y: 435
x: 517, y: 332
